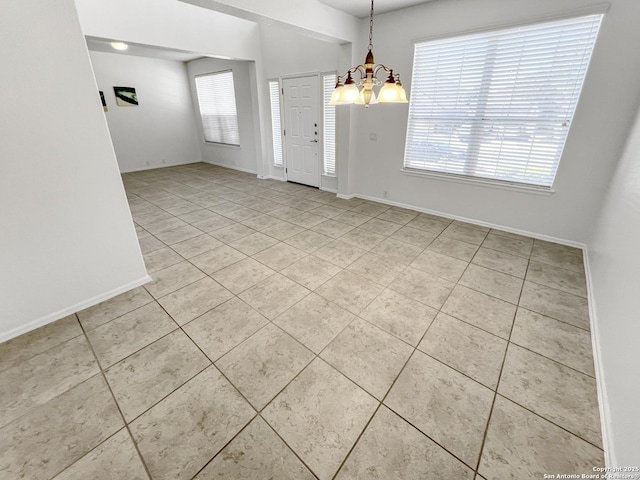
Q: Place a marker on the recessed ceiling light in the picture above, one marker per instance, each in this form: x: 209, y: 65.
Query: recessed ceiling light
x: 119, y: 45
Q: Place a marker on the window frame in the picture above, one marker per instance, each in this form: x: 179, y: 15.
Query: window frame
x: 276, y: 128
x: 235, y: 107
x: 489, y: 181
x: 332, y: 139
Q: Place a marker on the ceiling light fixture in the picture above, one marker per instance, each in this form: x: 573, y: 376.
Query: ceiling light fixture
x: 361, y: 92
x: 119, y: 45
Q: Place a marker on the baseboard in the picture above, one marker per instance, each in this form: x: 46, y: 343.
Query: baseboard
x: 231, y: 167
x: 330, y: 190
x: 72, y: 309
x: 605, y: 413
x: 155, y: 167
x: 472, y: 221
x: 271, y: 177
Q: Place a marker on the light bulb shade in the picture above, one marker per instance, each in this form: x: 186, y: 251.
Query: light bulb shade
x: 392, y: 93
x: 349, y: 94
x: 336, y: 95
x: 119, y: 45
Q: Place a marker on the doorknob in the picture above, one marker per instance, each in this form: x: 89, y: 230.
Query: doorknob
x: 314, y: 141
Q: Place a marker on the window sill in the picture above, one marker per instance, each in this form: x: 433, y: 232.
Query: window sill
x: 482, y: 182
x: 225, y: 145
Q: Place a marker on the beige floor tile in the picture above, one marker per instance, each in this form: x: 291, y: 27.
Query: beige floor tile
x: 242, y: 275
x: 196, y: 246
x: 240, y: 214
x: 556, y: 340
x: 149, y: 244
x: 371, y: 208
x: 199, y: 215
x: 414, y: 236
x: 181, y: 208
x: 263, y: 364
x: 556, y: 304
x: 161, y: 258
x: 214, y: 224
x: 274, y: 295
x: 103, y: 312
x: 367, y: 355
x: 399, y: 315
x: 429, y: 223
x: 515, y: 246
x: 141, y: 380
x: 496, y: 284
x: 450, y: 408
x: 224, y: 327
x: 397, y: 251
x: 559, y: 278
x: 260, y: 222
x: 466, y: 348
x: 114, y: 459
x: 557, y: 393
x: 379, y: 226
x: 125, y: 335
x: 502, y: 262
x: 217, y: 259
x: 453, y: 248
x: 314, y: 321
x: 163, y: 225
x: 256, y: 453
x: 179, y: 234
x: 352, y: 218
x: 231, y: 232
x: 286, y: 213
x: 308, y: 241
x: 283, y: 230
x: 475, y: 226
x: 173, y: 278
x: 390, y: 448
x: 20, y: 349
x: 350, y: 291
x: 340, y: 253
x: 520, y: 445
x: 401, y: 218
x: 376, y: 268
x: 311, y: 272
x: 254, y: 243
x: 307, y: 220
x: 179, y: 435
x: 464, y: 233
x: 422, y: 286
x: 320, y: 415
x: 443, y: 266
x: 361, y: 238
x: 558, y: 255
x: 332, y: 228
x: 48, y: 439
x: 280, y: 256
x: 35, y: 381
x: 327, y: 211
x: 194, y: 300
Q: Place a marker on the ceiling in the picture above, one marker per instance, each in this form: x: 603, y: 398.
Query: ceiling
x: 361, y: 8
x: 104, y: 45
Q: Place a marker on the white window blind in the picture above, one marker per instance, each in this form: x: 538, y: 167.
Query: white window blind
x: 329, y: 112
x: 217, y: 101
x: 276, y: 128
x: 499, y: 104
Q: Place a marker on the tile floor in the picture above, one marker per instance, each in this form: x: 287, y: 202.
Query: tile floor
x: 289, y: 334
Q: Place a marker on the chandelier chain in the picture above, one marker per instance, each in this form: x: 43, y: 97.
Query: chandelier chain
x: 371, y: 28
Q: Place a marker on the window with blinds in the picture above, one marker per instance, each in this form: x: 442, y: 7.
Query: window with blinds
x: 217, y: 101
x: 329, y: 116
x: 276, y: 127
x: 498, y: 105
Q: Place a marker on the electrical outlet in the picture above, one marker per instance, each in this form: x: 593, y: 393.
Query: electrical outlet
x: 373, y: 137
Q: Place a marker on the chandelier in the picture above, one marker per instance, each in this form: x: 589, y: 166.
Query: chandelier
x: 361, y: 91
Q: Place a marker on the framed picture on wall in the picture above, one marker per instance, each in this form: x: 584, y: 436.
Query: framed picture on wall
x: 126, y: 96
x: 104, y: 102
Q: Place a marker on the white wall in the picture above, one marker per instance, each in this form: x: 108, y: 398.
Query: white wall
x: 246, y: 156
x: 67, y: 239
x: 606, y: 110
x: 161, y: 130
x: 614, y: 264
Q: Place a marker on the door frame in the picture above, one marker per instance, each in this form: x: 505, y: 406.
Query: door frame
x: 320, y: 107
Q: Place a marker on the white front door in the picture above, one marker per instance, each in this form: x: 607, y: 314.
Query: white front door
x: 301, y: 129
